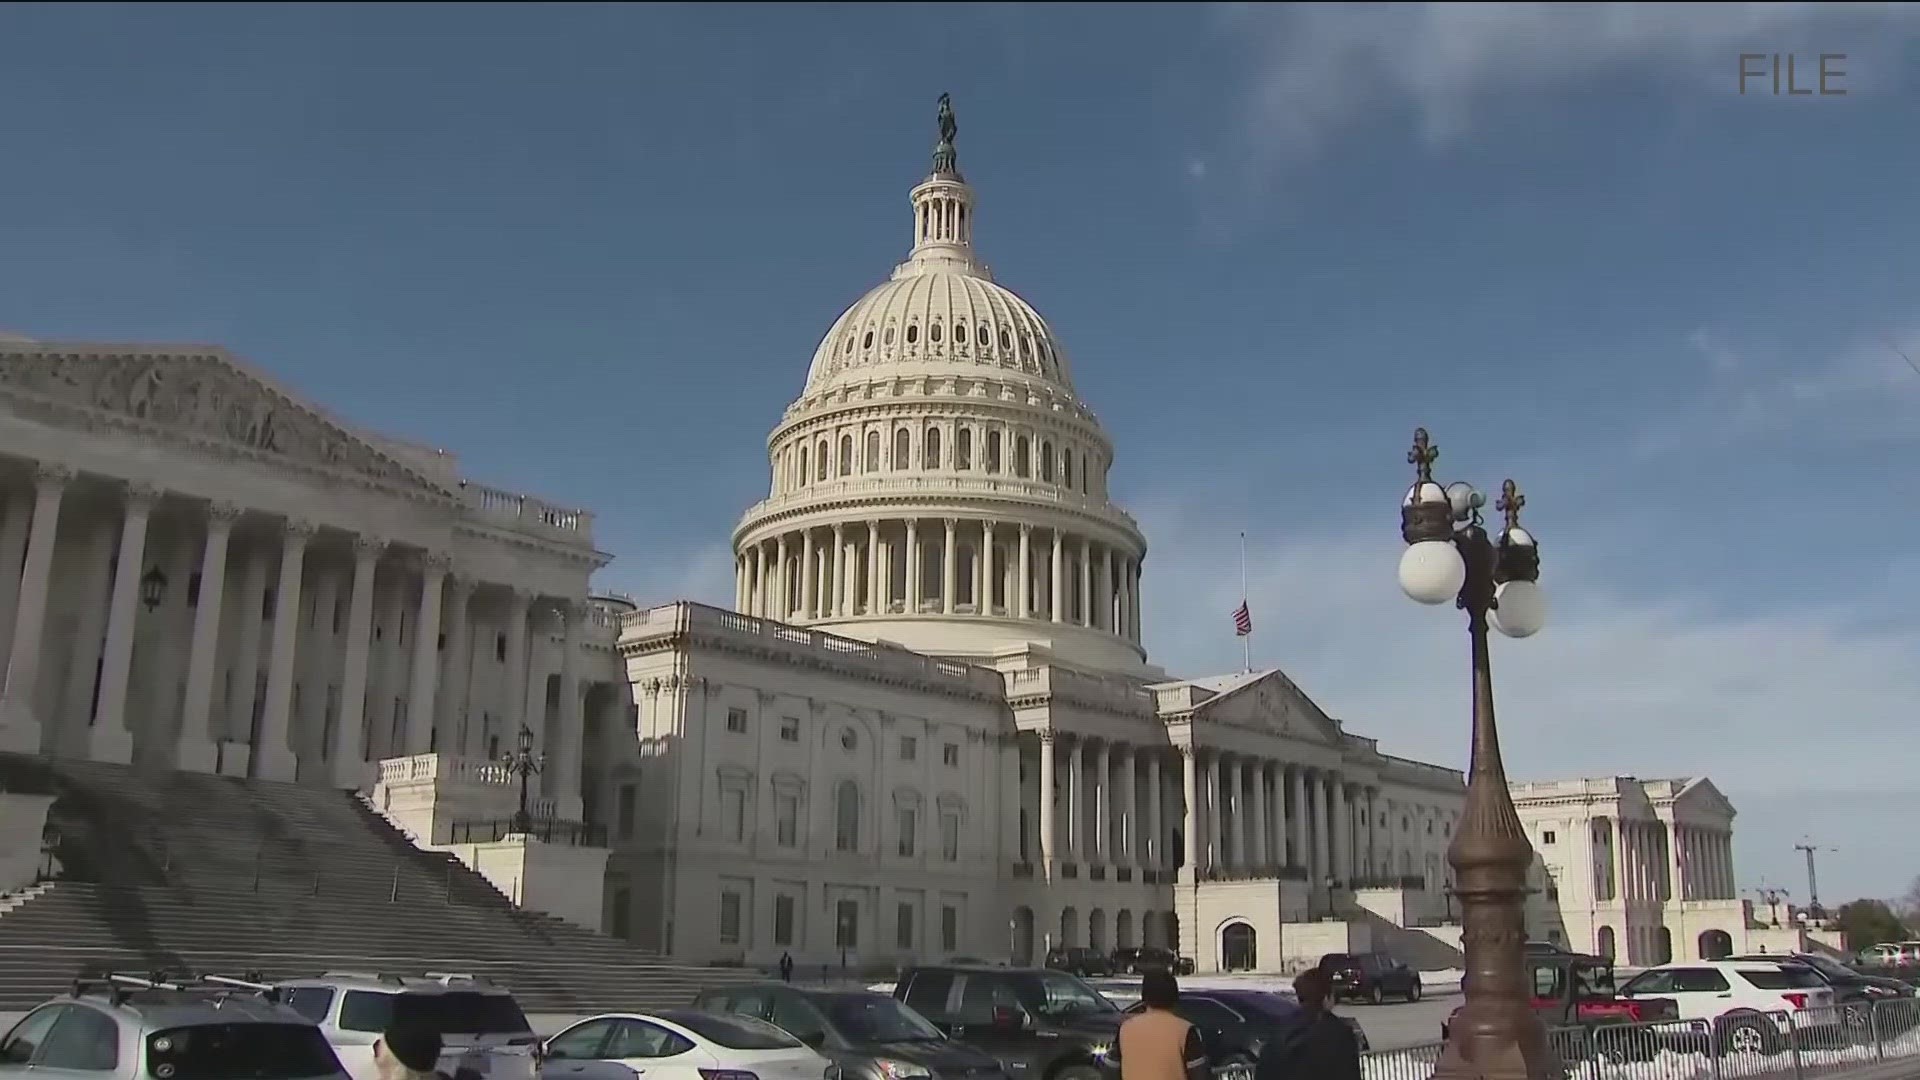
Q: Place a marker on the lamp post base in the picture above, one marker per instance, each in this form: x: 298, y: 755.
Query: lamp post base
x: 1500, y: 1044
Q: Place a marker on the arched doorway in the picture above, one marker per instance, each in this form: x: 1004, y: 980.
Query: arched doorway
x: 1123, y: 929
x: 1603, y: 942
x: 1238, y: 947
x: 1663, y: 946
x: 1097, y: 929
x: 1069, y: 928
x: 1021, y: 934
x: 1716, y: 945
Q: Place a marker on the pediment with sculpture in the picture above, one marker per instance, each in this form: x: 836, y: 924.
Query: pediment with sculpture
x: 202, y: 395
x: 1272, y: 705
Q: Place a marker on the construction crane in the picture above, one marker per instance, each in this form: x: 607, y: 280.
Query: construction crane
x: 1807, y: 847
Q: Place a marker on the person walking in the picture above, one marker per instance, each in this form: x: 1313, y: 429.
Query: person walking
x: 1315, y: 1045
x: 786, y: 967
x: 1156, y: 1044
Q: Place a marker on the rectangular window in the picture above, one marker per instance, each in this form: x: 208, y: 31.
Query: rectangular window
x: 903, y: 928
x: 730, y: 918
x: 783, y: 920
x: 907, y: 830
x: 789, y: 730
x: 949, y: 929
x: 950, y: 837
x: 733, y: 813
x: 1547, y: 837
x: 786, y: 810
x: 737, y: 721
x: 950, y: 755
x: 909, y: 746
x: 846, y: 924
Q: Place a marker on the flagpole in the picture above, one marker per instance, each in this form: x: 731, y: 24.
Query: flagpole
x: 1246, y: 640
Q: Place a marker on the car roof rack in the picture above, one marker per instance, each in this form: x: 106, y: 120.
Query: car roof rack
x: 120, y: 985
x: 251, y: 981
x: 448, y: 978
x: 372, y: 976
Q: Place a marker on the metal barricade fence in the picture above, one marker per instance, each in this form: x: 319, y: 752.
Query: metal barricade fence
x: 1801, y: 1045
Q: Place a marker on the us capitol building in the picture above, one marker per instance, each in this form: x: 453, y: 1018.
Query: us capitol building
x: 928, y: 727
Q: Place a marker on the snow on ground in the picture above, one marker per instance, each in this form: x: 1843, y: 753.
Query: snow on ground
x: 1126, y: 989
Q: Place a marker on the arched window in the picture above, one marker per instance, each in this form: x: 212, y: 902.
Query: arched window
x: 933, y: 333
x: 887, y: 338
x: 902, y: 448
x: 1066, y: 468
x: 931, y: 459
x: 983, y: 338
x: 803, y: 466
x: 866, y: 340
x: 846, y: 816
x: 913, y: 333
x: 993, y: 451
x: 963, y: 449
x: 820, y: 461
x: 1020, y: 458
x: 1046, y: 461
x: 872, y: 464
x: 846, y: 455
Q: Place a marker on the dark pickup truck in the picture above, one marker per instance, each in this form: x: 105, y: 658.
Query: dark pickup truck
x: 1577, y: 990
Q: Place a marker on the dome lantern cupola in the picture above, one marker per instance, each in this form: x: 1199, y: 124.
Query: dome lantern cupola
x: 938, y: 483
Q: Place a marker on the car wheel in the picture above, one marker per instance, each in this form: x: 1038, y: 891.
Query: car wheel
x: 1375, y: 995
x: 1236, y: 1066
x: 1413, y: 990
x: 1748, y: 1035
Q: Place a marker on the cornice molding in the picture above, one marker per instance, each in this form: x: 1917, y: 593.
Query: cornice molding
x: 699, y: 638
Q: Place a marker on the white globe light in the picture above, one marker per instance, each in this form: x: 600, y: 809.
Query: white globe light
x: 1431, y: 572
x: 1522, y: 609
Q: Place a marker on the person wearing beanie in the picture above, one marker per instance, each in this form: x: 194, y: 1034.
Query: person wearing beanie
x: 407, y: 1052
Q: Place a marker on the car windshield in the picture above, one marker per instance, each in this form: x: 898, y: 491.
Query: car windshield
x: 240, y: 1052
x: 1055, y: 993
x: 732, y: 1031
x: 1593, y: 981
x: 456, y: 1012
x: 878, y: 1018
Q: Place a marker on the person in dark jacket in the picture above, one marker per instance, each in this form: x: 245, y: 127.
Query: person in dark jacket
x: 1316, y: 1045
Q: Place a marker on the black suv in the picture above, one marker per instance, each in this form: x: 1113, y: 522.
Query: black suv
x: 1080, y: 960
x: 1039, y: 1024
x: 870, y: 1036
x: 1142, y: 959
x: 1373, y: 976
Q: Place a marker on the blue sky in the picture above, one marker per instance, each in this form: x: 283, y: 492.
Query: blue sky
x: 591, y: 250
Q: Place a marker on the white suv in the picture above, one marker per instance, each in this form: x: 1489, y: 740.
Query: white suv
x: 483, y: 1031
x: 1747, y: 1000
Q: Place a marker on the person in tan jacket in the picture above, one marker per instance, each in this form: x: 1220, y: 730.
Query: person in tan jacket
x: 1157, y: 1044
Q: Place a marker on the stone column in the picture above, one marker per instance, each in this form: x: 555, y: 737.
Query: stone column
x: 1322, y: 821
x: 1153, y: 855
x: 111, y: 741
x: 13, y: 551
x: 1127, y: 853
x: 564, y: 767
x: 872, y: 591
x: 194, y: 750
x: 913, y: 567
x: 1025, y: 608
x: 422, y: 700
x: 1055, y: 592
x: 456, y: 670
x: 809, y: 577
x: 1216, y: 837
x: 1235, y: 777
x: 244, y: 686
x: 273, y: 759
x: 758, y: 607
x: 1086, y: 582
x: 1619, y: 862
x: 350, y: 747
x: 1104, y: 608
x: 1302, y: 819
x: 519, y: 613
x: 1280, y: 855
x: 1102, y: 804
x: 1190, y: 788
x: 1046, y: 806
x: 949, y: 573
x: 540, y: 617
x: 19, y: 722
x: 989, y: 542
x: 315, y: 670
x: 1343, y: 831
x: 1076, y: 845
x: 1257, y: 806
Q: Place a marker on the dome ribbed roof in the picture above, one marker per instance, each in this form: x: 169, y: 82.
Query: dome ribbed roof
x: 939, y: 322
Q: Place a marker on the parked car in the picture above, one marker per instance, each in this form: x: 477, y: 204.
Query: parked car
x: 1577, y: 990
x: 1746, y: 1000
x: 869, y: 1035
x: 480, y: 1024
x: 1039, y: 1023
x: 679, y: 1044
x: 1080, y: 960
x: 1236, y: 1024
x: 1136, y: 960
x: 1373, y: 976
x: 120, y: 1027
x: 1853, y: 991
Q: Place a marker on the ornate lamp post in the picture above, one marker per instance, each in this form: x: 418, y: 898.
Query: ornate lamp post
x: 1496, y: 1034
x: 524, y: 762
x: 153, y: 587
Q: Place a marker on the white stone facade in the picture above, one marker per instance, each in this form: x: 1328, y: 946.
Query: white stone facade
x: 159, y: 501
x: 1640, y: 870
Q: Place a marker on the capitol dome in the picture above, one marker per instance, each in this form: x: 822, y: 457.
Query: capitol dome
x: 938, y: 483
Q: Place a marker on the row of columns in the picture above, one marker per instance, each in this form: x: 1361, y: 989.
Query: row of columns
x: 943, y: 566
x: 1659, y: 860
x: 436, y: 694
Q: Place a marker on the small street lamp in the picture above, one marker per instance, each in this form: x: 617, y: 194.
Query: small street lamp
x: 1496, y: 1035
x: 153, y: 587
x: 524, y: 762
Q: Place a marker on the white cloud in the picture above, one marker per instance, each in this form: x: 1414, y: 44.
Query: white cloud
x: 652, y: 574
x: 1321, y: 66
x: 1783, y: 710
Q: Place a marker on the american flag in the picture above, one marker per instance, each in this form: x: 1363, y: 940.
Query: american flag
x: 1242, y: 620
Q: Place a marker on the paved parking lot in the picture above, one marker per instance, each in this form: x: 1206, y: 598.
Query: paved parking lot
x: 1401, y: 1024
